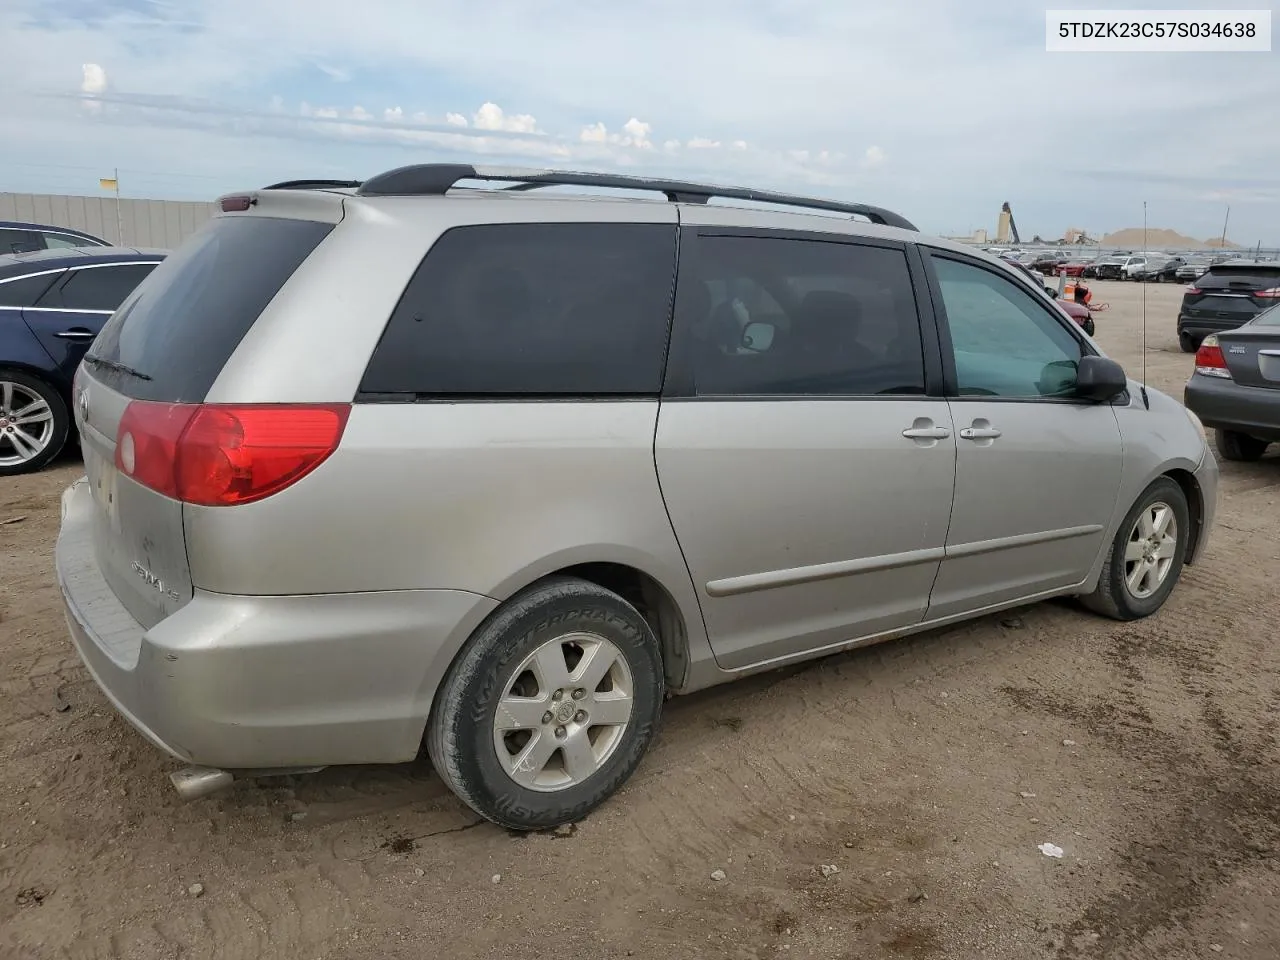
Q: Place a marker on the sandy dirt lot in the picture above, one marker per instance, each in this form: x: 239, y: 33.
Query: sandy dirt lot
x: 927, y: 770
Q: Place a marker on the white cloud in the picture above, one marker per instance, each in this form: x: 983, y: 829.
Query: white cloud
x: 455, y: 119
x: 212, y: 55
x: 360, y: 113
x: 637, y: 134
x: 393, y: 114
x: 94, y: 79
x: 336, y: 74
x: 702, y: 143
x: 596, y: 133
x: 490, y: 116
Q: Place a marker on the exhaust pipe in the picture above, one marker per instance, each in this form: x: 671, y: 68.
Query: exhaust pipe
x: 192, y: 783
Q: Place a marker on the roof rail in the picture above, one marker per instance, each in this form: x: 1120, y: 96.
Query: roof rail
x: 436, y: 179
x: 311, y: 184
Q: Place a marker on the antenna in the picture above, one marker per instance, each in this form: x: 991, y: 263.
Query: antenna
x: 1146, y: 401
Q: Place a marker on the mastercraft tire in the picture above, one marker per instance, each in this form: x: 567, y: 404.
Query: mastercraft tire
x: 550, y: 707
x: 1146, y: 556
x: 34, y: 423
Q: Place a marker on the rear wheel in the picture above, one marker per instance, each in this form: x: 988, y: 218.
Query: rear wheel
x: 1146, y: 555
x: 34, y: 423
x: 1188, y: 343
x: 551, y: 707
x: 1089, y: 326
x: 1240, y: 446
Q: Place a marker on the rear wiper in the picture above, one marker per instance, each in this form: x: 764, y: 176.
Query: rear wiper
x: 115, y: 365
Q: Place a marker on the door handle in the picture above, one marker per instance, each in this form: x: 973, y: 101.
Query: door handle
x: 979, y: 433
x: 926, y: 433
x: 76, y: 333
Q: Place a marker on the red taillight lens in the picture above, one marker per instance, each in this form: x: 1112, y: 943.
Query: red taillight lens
x: 1209, y: 359
x: 1192, y: 289
x: 218, y: 455
x: 1270, y: 294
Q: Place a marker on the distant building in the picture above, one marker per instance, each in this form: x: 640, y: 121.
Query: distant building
x: 138, y: 223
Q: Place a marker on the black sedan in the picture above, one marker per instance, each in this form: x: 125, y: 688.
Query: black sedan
x: 1235, y: 389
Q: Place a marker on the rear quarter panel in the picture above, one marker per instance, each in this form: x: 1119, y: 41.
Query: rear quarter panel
x: 19, y: 348
x: 480, y: 497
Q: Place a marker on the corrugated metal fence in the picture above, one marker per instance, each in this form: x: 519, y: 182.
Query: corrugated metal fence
x: 140, y: 223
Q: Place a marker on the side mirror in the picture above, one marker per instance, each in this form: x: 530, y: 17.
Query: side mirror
x: 757, y: 337
x: 1099, y: 379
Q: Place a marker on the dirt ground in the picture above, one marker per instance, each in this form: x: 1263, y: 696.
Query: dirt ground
x: 927, y: 770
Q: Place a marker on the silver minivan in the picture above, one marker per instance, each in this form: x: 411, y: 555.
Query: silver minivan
x: 454, y: 457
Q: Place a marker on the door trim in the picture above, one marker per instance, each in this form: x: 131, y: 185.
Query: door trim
x: 979, y: 547
x: 769, y: 579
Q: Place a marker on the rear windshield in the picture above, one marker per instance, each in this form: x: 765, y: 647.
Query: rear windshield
x: 1268, y: 318
x: 181, y: 325
x: 1258, y: 275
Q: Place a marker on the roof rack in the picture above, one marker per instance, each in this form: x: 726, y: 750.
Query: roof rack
x: 311, y: 184
x: 437, y: 179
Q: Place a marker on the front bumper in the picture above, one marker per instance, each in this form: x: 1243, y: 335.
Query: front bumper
x: 253, y: 682
x: 1223, y: 404
x: 1206, y: 478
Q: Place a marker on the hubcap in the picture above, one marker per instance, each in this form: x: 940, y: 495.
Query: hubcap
x: 563, y: 712
x: 1148, y: 557
x: 26, y: 424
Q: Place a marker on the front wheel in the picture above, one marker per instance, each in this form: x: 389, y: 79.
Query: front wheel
x: 550, y: 708
x: 1146, y: 555
x: 1187, y: 343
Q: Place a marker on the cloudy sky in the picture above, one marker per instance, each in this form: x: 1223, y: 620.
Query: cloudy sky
x: 941, y: 109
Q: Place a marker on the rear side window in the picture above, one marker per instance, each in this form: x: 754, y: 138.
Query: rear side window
x: 17, y: 241
x: 96, y: 288
x: 772, y: 316
x: 25, y: 291
x: 546, y: 309
x: 183, y: 323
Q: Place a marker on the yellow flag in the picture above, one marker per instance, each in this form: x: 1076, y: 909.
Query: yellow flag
x: 107, y: 183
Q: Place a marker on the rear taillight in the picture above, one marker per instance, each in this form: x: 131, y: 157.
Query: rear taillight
x: 1272, y: 293
x: 219, y: 455
x: 1209, y: 359
x: 1192, y: 289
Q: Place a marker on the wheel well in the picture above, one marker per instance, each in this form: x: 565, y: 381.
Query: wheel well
x: 657, y: 607
x: 1195, y: 505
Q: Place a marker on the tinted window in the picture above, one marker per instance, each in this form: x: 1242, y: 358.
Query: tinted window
x: 64, y: 241
x: 96, y: 288
x: 1007, y: 341
x: 554, y: 309
x: 17, y: 241
x: 25, y: 291
x: 186, y: 320
x: 768, y: 316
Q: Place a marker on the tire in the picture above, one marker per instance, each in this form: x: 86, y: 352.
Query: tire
x: 462, y: 737
x: 20, y: 391
x: 1089, y: 327
x: 1113, y: 596
x: 1239, y: 446
x: 1188, y: 343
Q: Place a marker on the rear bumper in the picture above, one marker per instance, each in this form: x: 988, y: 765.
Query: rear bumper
x: 1203, y: 326
x: 1226, y: 405
x: 245, y: 682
